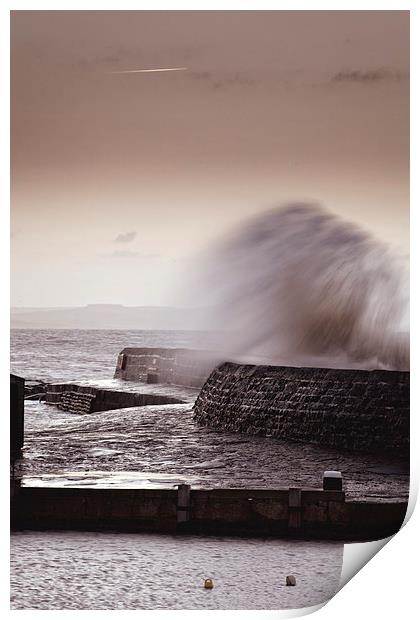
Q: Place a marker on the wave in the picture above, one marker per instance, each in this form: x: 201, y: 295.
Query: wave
x: 299, y: 286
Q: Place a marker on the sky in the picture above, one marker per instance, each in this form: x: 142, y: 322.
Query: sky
x: 120, y: 179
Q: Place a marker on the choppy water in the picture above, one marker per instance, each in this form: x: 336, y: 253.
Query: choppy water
x: 68, y: 570
x: 158, y: 445
x: 161, y: 445
x: 72, y: 354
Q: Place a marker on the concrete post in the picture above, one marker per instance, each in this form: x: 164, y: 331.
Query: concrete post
x: 17, y: 396
x: 332, y: 481
x: 183, y: 503
x: 295, y: 508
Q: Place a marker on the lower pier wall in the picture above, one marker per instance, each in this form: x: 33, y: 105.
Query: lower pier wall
x: 354, y: 410
x: 296, y: 513
x: 86, y: 399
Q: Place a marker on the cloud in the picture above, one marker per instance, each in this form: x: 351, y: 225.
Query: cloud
x: 123, y: 57
x: 221, y: 82
x: 234, y: 80
x: 125, y: 254
x: 200, y: 75
x: 119, y: 54
x: 368, y: 77
x: 129, y: 254
x: 126, y: 237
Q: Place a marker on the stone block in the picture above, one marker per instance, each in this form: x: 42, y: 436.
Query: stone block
x: 332, y: 481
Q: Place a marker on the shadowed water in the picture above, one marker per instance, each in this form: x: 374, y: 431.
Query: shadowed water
x: 161, y: 445
x: 68, y: 570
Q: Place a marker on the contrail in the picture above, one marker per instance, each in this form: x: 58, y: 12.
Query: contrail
x: 152, y: 70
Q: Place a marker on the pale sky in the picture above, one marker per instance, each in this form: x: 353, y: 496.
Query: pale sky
x: 119, y: 179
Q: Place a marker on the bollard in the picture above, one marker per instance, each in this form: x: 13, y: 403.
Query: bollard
x: 290, y: 580
x: 332, y: 481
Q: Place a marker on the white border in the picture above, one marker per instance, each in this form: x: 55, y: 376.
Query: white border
x: 388, y: 584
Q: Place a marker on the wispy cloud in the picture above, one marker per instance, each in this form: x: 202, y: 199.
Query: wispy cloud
x: 123, y: 58
x: 125, y: 254
x: 126, y: 237
x: 200, y: 75
x: 217, y: 81
x: 368, y: 77
x: 129, y: 254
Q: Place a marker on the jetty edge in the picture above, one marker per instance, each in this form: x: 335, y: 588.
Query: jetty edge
x: 289, y: 512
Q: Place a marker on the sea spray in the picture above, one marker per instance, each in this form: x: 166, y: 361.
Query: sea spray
x: 299, y: 286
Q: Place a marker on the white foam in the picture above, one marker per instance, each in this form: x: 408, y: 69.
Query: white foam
x: 299, y: 286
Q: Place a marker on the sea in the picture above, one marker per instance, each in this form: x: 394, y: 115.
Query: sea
x: 162, y: 446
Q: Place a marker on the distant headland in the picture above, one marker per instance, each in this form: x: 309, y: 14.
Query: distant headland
x: 107, y: 316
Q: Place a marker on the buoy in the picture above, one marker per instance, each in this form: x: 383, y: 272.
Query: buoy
x: 208, y: 584
x: 290, y: 580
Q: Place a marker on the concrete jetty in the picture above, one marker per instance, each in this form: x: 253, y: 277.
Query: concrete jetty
x: 288, y: 512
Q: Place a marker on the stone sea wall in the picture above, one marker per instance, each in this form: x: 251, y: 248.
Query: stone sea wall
x: 344, y: 409
x: 184, y: 367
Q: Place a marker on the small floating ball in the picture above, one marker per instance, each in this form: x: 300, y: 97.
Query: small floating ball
x: 290, y: 580
x: 208, y: 584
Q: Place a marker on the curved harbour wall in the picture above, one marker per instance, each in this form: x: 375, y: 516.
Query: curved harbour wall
x: 344, y: 409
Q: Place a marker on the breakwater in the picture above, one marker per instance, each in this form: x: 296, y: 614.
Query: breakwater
x: 353, y: 410
x: 297, y: 513
x: 84, y: 399
x: 186, y: 367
